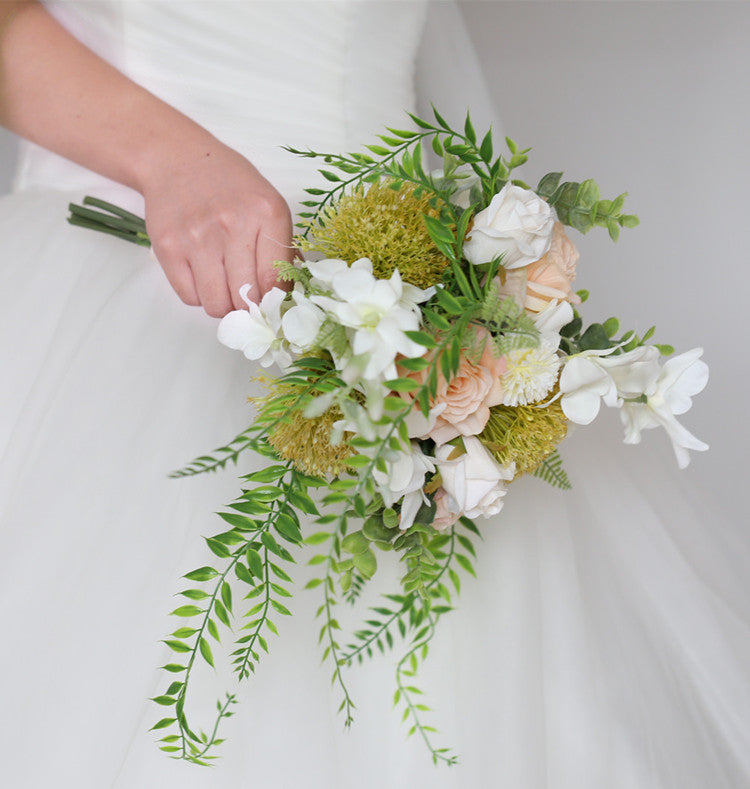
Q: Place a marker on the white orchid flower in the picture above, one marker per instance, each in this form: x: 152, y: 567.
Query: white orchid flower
x: 325, y: 271
x: 376, y: 313
x: 595, y: 376
x: 679, y: 379
x: 403, y: 481
x: 301, y: 323
x: 256, y: 330
x: 551, y: 319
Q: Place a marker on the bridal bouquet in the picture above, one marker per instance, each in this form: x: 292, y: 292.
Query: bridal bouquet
x: 428, y: 352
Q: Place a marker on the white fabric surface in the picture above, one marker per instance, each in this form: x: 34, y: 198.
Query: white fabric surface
x: 606, y: 642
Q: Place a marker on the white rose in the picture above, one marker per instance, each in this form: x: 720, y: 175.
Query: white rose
x: 474, y: 482
x: 517, y: 224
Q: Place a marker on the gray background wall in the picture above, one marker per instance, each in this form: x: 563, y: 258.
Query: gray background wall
x: 649, y: 97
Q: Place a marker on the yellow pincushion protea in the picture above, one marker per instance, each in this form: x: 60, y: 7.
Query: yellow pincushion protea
x: 385, y: 225
x: 306, y: 442
x: 524, y: 434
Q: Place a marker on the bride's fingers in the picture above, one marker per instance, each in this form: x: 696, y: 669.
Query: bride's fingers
x: 240, y: 263
x: 207, y: 265
x: 179, y: 274
x: 274, y: 243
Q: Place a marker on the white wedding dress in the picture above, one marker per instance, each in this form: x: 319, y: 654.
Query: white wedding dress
x: 606, y: 642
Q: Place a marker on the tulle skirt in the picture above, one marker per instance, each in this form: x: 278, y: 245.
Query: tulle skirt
x: 605, y: 643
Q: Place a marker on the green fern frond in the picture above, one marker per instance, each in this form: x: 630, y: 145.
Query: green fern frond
x: 552, y: 472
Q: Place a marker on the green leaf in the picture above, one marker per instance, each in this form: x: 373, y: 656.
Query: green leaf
x: 390, y: 517
x: 485, y: 149
x: 466, y: 544
x: 163, y: 723
x: 378, y: 150
x: 195, y: 594
x: 421, y: 338
x: 185, y: 632
x: 466, y: 564
x: 288, y: 528
x: 243, y: 574
x: 187, y: 610
x: 355, y: 543
x: 280, y: 608
x: 218, y: 548
x: 174, y: 668
x: 300, y: 500
x: 414, y: 365
x: 366, y: 563
x: 221, y: 613
x: 279, y: 573
x: 448, y: 302
x: 213, y: 629
x: 173, y: 688
x: 329, y: 176
x: 469, y: 130
x: 206, y: 652
x: 594, y: 338
x: 402, y: 384
x: 374, y: 529
x: 165, y: 701
x: 255, y: 563
x: 318, y: 538
x: 177, y: 646
x: 611, y: 326
x: 201, y: 574
x: 270, y: 543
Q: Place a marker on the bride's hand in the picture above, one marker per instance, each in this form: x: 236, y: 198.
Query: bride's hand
x: 216, y: 223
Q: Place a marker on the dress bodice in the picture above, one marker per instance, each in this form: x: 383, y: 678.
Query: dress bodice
x: 324, y: 74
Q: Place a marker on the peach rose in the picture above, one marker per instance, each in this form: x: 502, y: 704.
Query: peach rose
x: 548, y: 279
x: 444, y: 518
x: 463, y: 404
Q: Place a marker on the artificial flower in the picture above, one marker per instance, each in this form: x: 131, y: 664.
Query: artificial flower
x: 671, y: 394
x: 517, y: 224
x: 595, y: 376
x: 444, y: 518
x: 545, y: 280
x: 301, y: 323
x: 255, y: 331
x: 403, y: 480
x: 474, y: 481
x: 376, y: 312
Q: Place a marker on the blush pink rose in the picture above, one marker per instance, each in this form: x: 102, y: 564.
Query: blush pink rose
x: 548, y: 279
x: 461, y: 407
x: 444, y: 518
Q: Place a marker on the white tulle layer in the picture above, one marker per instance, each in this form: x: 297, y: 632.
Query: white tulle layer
x: 604, y: 644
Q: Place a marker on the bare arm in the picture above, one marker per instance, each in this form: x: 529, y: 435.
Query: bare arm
x: 214, y: 221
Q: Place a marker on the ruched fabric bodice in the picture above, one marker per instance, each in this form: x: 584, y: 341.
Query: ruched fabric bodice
x: 323, y: 74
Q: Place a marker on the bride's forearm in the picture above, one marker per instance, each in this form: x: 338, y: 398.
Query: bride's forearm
x: 214, y: 221
x: 56, y: 92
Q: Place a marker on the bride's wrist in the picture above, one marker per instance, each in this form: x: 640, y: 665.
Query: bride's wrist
x: 165, y: 148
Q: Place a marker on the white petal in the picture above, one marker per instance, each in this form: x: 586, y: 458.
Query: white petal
x: 301, y: 325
